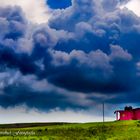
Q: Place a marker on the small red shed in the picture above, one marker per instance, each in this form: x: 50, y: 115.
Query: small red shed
x: 128, y: 114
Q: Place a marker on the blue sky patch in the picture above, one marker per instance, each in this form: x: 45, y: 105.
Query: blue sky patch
x: 59, y: 4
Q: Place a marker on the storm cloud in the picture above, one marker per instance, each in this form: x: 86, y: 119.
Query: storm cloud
x: 88, y: 50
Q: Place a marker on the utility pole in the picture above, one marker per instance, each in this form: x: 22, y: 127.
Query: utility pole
x: 103, y: 126
x: 103, y: 112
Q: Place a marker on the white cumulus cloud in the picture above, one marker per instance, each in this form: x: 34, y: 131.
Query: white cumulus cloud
x: 36, y: 11
x: 133, y: 5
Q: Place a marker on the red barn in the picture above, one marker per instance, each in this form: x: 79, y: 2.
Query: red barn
x: 128, y: 114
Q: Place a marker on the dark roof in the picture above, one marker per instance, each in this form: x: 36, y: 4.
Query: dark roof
x: 127, y: 110
x: 136, y: 109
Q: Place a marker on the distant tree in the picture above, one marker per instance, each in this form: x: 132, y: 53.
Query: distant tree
x: 128, y: 108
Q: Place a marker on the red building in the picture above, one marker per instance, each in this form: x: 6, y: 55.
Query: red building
x: 128, y: 114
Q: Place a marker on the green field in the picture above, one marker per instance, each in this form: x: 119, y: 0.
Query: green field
x: 120, y: 130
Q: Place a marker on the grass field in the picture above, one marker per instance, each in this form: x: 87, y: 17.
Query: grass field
x: 121, y: 130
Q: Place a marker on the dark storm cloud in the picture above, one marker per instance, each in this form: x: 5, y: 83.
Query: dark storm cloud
x: 12, y: 23
x: 91, y: 72
x: 94, y: 32
x: 19, y: 95
x: 13, y: 27
x: 17, y: 89
x: 18, y: 61
x: 89, y: 48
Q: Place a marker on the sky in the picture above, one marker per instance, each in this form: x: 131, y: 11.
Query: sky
x: 60, y: 60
